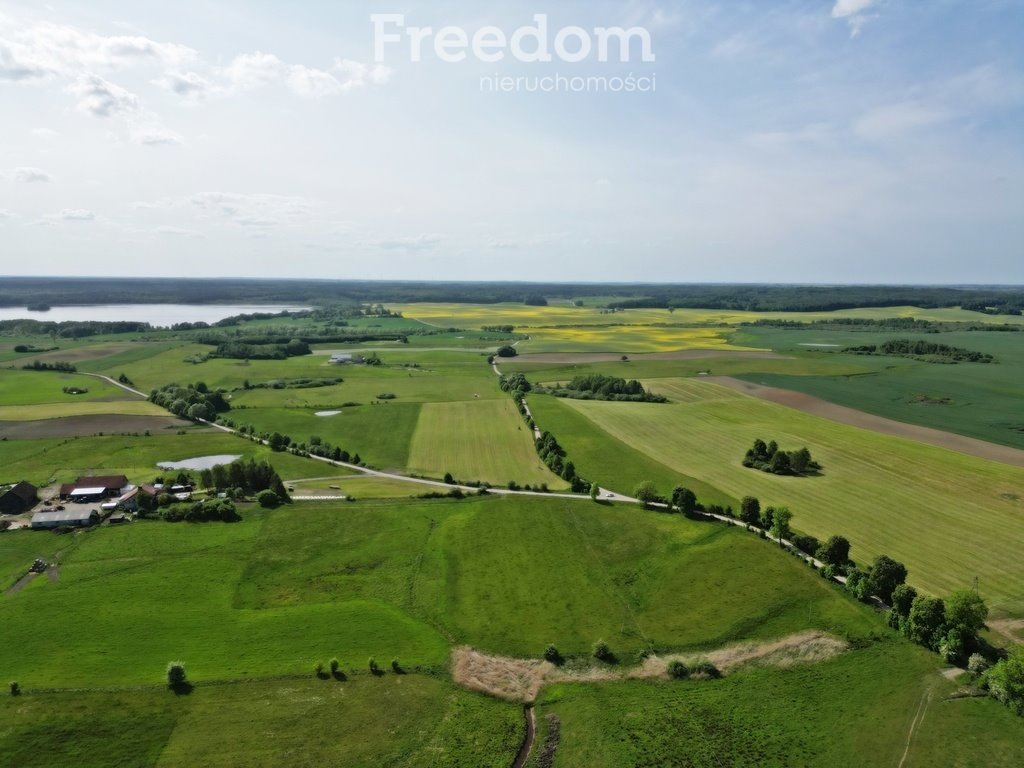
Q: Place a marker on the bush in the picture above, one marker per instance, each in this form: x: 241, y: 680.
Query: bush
x: 15, y: 688
x: 977, y: 664
x: 318, y: 669
x: 268, y: 499
x: 448, y: 479
x: 677, y: 670
x: 334, y: 663
x: 602, y: 652
x: 551, y: 654
x: 374, y: 667
x: 176, y: 674
x: 705, y: 669
x: 396, y: 667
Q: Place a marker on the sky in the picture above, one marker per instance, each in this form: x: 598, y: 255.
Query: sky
x: 809, y: 141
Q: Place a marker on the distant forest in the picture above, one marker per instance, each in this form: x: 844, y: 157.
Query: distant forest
x: 41, y: 292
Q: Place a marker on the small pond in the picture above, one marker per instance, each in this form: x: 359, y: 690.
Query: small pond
x: 199, y: 462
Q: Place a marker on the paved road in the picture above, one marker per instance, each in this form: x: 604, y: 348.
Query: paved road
x: 116, y: 383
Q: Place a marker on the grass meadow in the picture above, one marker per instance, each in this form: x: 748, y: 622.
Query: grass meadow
x: 484, y: 440
x: 410, y: 720
x: 948, y: 516
x: 853, y: 710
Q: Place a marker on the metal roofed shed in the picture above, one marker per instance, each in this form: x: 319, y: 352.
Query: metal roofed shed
x: 88, y: 494
x: 80, y: 518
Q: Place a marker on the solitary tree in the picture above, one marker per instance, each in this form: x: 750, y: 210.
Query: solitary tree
x: 780, y: 523
x: 602, y: 652
x: 594, y: 490
x: 684, y: 500
x: 750, y: 510
x: 176, y: 674
x: 646, y: 493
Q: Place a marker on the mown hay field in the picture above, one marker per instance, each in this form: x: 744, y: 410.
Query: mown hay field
x: 948, y: 516
x: 484, y: 440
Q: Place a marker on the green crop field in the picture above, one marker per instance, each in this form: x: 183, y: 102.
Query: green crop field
x: 482, y: 440
x: 948, y: 516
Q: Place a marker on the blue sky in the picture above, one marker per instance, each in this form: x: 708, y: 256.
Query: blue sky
x: 807, y: 141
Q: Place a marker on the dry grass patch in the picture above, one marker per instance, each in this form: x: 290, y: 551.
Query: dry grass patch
x: 521, y: 680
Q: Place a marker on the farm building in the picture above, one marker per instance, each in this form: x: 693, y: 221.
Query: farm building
x: 18, y: 498
x: 80, y: 518
x: 94, y: 488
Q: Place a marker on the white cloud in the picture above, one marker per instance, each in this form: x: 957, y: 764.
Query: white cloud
x: 32, y: 50
x: 731, y: 47
x: 252, y: 70
x: 101, y: 97
x: 255, y: 210
x: 45, y: 133
x: 5, y: 214
x: 855, y: 13
x: 190, y: 86
x: 27, y: 175
x: 76, y: 214
x: 313, y: 83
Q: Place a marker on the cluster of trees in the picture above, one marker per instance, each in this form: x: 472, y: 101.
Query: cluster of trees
x: 62, y: 367
x: 949, y: 627
x: 507, y: 350
x: 192, y: 401
x: 596, y: 386
x: 1005, y: 681
x: 535, y: 300
x: 68, y: 329
x: 204, y: 511
x: 74, y: 390
x: 767, y: 457
x: 238, y: 351
x: 516, y: 385
x: 498, y: 328
x: 927, y: 351
x: 26, y: 348
x: 248, y: 476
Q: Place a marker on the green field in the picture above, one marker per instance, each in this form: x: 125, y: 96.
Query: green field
x: 948, y: 516
x: 854, y: 710
x: 43, y: 462
x: 26, y: 388
x: 380, y: 434
x: 401, y: 721
x: 484, y: 440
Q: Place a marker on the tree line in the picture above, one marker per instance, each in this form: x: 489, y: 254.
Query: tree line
x: 927, y: 351
x: 596, y: 386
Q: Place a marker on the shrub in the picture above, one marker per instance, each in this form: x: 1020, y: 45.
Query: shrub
x: 448, y: 479
x: 176, y: 674
x: 268, y: 499
x: 551, y: 654
x: 396, y: 667
x: 602, y: 652
x: 334, y: 666
x: 318, y: 669
x: 706, y: 669
x: 677, y: 670
x: 374, y: 667
x: 15, y: 688
x: 977, y: 664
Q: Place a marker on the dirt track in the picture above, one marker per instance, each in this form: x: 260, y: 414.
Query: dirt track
x: 818, y: 407
x: 569, y: 358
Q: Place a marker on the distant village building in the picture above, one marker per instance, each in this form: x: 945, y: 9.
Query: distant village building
x: 18, y: 498
x: 92, y: 489
x: 80, y: 518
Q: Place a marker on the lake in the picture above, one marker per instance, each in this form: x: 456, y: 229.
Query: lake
x: 160, y: 315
